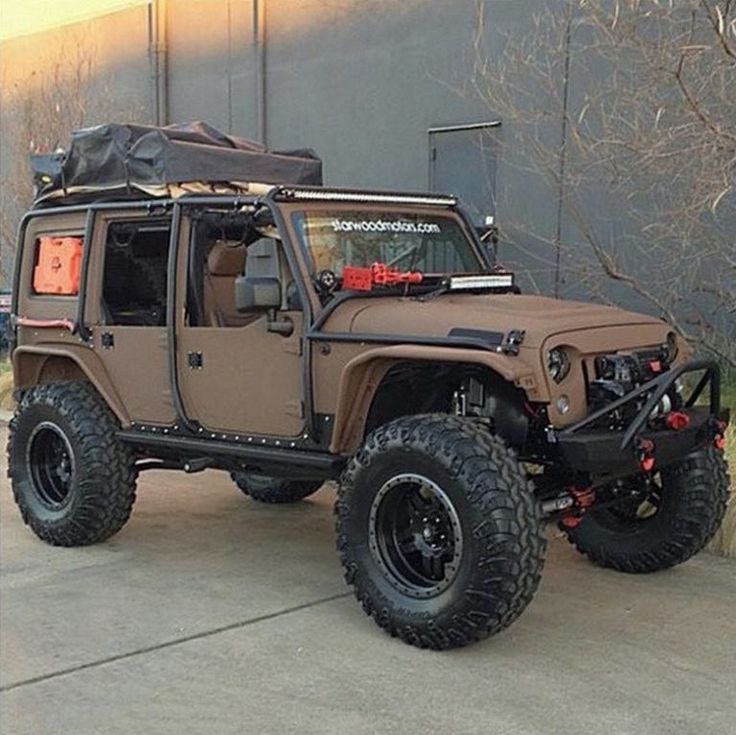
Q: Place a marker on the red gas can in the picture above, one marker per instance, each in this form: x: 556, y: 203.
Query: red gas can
x: 58, y: 265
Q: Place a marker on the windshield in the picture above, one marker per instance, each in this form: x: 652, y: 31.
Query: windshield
x: 406, y: 241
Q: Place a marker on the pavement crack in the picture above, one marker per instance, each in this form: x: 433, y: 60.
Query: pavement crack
x: 173, y: 642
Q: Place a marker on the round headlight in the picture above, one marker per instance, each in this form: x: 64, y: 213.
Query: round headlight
x: 558, y: 364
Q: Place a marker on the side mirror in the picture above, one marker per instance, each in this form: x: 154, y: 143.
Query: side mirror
x: 488, y: 235
x: 257, y: 293
x: 488, y: 232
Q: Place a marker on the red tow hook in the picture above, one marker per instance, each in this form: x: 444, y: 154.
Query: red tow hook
x: 677, y: 420
x: 584, y: 497
x: 719, y: 441
x: 646, y: 455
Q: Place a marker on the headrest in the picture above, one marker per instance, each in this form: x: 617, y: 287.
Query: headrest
x: 226, y: 260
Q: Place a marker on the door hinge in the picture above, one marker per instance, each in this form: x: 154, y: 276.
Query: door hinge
x: 195, y: 360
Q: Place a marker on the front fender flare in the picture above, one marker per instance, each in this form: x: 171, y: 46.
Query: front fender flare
x: 363, y: 374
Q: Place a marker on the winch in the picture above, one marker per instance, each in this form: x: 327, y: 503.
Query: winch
x: 619, y: 374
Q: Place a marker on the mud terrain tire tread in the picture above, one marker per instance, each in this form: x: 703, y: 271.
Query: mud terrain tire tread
x: 274, y: 490
x: 106, y: 479
x: 697, y: 489
x: 505, y: 564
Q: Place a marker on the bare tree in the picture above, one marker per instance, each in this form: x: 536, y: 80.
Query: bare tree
x: 66, y: 91
x: 643, y: 96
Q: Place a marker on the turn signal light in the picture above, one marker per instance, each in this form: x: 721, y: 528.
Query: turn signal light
x: 646, y: 455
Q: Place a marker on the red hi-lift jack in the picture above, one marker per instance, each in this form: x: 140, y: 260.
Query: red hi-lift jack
x: 355, y: 278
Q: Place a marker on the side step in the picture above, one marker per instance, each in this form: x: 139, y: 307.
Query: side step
x: 288, y: 461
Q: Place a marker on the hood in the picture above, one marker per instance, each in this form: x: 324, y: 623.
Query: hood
x: 540, y: 317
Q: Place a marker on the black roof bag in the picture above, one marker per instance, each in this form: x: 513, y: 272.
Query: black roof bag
x: 116, y: 156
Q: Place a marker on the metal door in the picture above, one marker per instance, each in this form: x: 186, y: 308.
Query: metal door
x: 463, y: 162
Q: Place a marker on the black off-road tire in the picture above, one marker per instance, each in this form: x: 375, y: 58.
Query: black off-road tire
x: 693, y: 503
x: 101, y: 481
x: 266, y: 489
x: 503, y: 547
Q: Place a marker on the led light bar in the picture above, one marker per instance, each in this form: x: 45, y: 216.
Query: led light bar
x: 348, y: 196
x: 468, y: 283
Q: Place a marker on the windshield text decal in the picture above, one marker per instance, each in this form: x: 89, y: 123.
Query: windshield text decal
x: 383, y: 225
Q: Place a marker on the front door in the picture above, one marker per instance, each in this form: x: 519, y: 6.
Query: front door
x: 235, y: 375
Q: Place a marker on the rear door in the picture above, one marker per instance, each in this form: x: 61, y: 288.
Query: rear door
x: 127, y: 310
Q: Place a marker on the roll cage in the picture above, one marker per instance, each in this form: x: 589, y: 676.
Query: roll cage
x: 314, y: 313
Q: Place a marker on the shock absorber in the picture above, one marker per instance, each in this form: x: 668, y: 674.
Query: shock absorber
x: 570, y: 506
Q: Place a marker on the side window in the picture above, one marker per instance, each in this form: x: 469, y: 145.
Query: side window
x: 56, y: 265
x: 215, y: 263
x: 134, y: 279
x: 218, y: 256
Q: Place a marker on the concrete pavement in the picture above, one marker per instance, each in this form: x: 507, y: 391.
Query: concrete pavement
x: 212, y: 613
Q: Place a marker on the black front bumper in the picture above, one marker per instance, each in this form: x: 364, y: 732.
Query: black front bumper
x: 597, y: 451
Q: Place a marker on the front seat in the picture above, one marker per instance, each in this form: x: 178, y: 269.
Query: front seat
x: 224, y: 264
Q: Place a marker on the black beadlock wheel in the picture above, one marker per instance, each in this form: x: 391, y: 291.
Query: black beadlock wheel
x: 415, y: 535
x: 438, y: 531
x: 50, y: 460
x: 276, y: 490
x: 72, y: 480
x: 677, y: 512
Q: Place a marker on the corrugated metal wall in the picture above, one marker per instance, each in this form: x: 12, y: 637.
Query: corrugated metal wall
x: 360, y: 81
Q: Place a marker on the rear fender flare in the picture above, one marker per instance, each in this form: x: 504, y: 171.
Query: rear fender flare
x: 30, y: 362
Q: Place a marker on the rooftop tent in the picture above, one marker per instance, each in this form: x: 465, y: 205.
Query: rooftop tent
x: 118, y: 157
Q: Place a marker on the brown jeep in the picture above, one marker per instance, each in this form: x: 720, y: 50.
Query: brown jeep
x: 302, y: 334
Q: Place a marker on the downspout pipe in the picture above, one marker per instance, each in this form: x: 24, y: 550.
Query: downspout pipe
x: 158, y: 58
x: 259, y: 46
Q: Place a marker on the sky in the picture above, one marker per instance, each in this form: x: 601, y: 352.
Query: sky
x: 21, y: 17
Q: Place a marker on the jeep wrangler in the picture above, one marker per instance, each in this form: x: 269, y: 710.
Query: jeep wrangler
x: 304, y: 334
